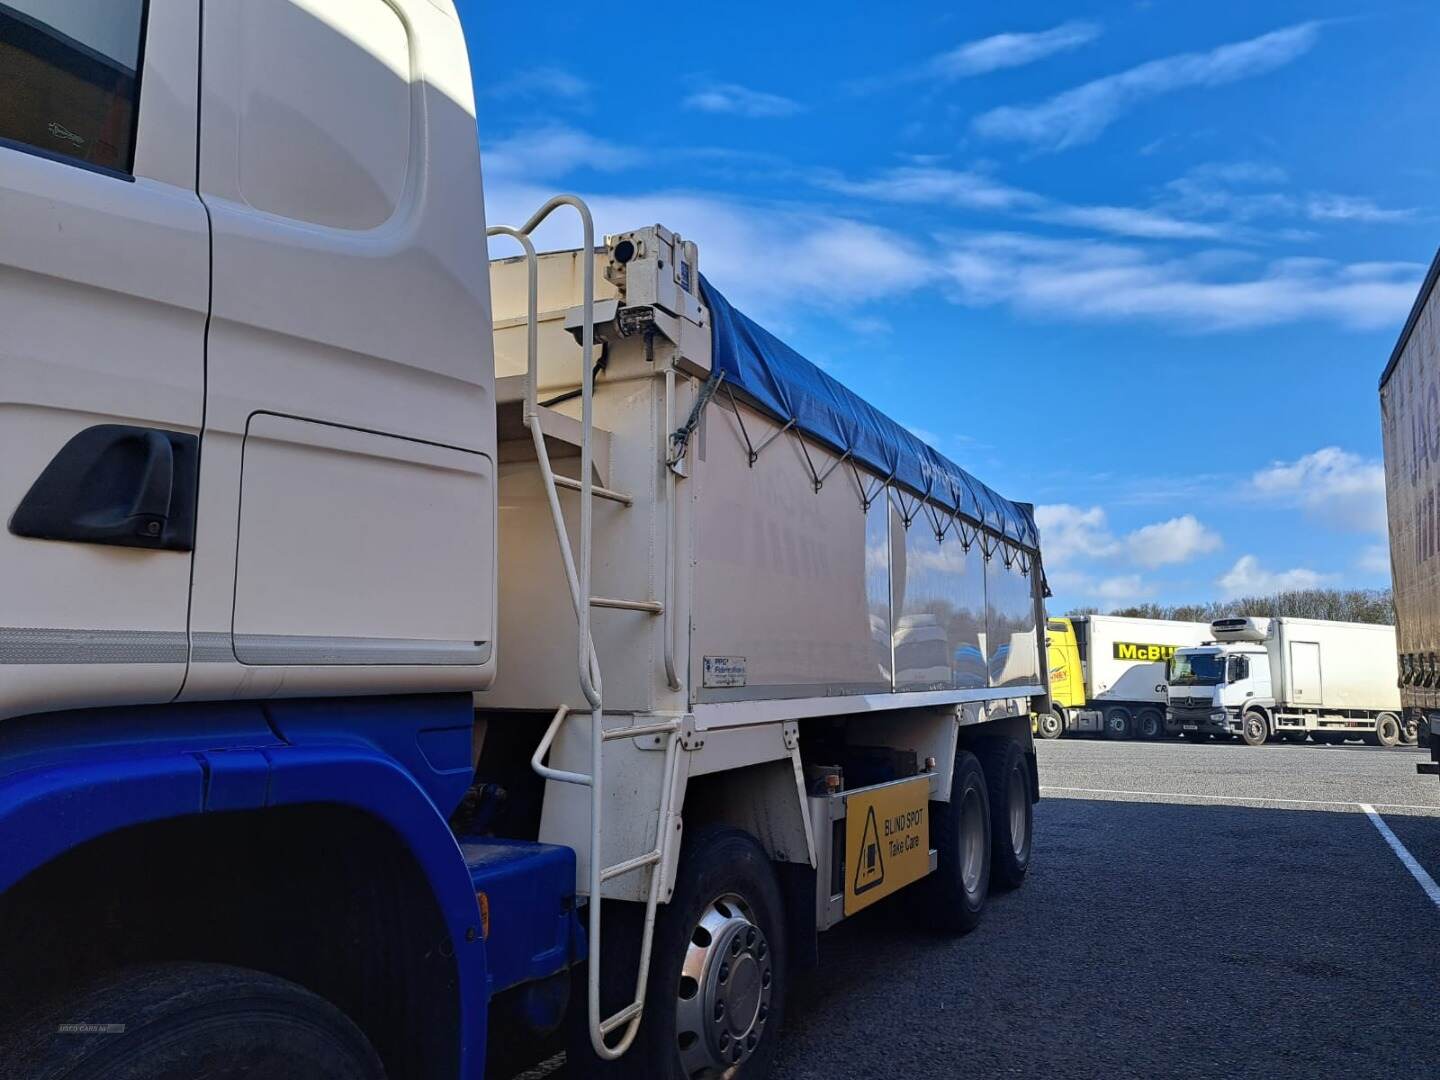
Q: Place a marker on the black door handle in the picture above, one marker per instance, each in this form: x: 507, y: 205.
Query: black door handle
x: 119, y: 485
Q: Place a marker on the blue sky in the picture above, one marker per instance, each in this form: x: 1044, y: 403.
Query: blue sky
x: 1138, y: 263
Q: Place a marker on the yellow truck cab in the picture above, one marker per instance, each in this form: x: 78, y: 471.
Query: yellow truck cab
x: 1067, y: 677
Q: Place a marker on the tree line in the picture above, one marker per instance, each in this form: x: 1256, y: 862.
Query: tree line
x: 1340, y: 605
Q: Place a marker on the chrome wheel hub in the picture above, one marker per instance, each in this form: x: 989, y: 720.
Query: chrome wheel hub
x: 972, y: 841
x: 723, y: 1000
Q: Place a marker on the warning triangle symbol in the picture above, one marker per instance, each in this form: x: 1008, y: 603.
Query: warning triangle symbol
x: 870, y: 864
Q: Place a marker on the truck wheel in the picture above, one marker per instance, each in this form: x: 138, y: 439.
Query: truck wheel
x: 1387, y: 729
x: 1049, y: 726
x: 1254, y: 728
x: 1012, y: 811
x: 184, y: 1020
x: 717, y: 970
x: 1409, y: 732
x: 1150, y: 724
x: 952, y: 899
x: 1118, y: 724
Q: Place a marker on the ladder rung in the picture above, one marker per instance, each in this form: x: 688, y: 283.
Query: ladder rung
x: 599, y: 492
x: 624, y: 1016
x: 629, y: 866
x: 661, y: 727
x: 650, y: 607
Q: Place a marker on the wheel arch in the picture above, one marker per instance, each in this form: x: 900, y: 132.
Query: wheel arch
x: 263, y: 856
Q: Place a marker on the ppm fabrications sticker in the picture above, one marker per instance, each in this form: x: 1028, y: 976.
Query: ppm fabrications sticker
x: 887, y: 840
x: 724, y: 672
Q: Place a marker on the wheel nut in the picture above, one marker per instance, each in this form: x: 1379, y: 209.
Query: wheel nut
x: 724, y: 972
x: 719, y: 1011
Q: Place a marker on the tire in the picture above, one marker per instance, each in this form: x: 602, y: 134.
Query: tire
x: 1150, y: 724
x: 1255, y: 728
x: 1049, y: 725
x: 184, y: 1020
x: 1012, y: 812
x: 1118, y: 723
x: 1387, y: 729
x: 952, y: 899
x: 1409, y: 732
x: 726, y: 898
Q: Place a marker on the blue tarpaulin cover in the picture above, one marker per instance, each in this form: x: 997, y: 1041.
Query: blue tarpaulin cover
x: 786, y: 385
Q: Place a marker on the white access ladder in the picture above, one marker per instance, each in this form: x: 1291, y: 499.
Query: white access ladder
x: 577, y: 576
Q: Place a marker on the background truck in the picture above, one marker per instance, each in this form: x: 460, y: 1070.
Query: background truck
x: 1107, y: 673
x: 1410, y: 422
x: 1263, y: 678
x: 397, y: 658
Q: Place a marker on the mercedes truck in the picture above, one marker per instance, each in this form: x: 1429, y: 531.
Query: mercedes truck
x: 1290, y: 679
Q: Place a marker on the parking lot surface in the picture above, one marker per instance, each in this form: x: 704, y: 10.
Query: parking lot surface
x: 1207, y: 910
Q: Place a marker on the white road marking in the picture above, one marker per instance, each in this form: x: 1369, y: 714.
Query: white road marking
x: 1233, y: 798
x: 1418, y: 872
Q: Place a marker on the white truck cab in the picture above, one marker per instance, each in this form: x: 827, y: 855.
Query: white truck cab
x: 1209, y: 686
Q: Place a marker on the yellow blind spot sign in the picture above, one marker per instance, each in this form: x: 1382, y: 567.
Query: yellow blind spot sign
x: 887, y: 840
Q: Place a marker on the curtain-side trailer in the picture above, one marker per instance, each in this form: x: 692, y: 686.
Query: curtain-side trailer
x: 1410, y: 423
x: 1107, y: 674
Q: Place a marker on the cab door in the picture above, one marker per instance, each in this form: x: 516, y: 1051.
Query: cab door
x: 1067, y: 681
x: 104, y: 283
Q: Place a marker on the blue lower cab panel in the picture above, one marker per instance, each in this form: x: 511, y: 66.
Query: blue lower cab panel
x: 530, y: 893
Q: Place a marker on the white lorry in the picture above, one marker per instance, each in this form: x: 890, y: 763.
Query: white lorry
x: 366, y: 614
x: 1289, y: 678
x: 1107, y: 674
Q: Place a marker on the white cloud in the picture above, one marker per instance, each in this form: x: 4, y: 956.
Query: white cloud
x: 1070, y: 533
x: 1079, y: 115
x: 812, y: 257
x: 543, y: 82
x: 1130, y: 221
x: 1175, y: 541
x: 554, y: 151
x: 972, y: 190
x: 1010, y: 50
x: 1082, y: 589
x: 741, y: 100
x: 1088, y: 279
x: 1375, y: 559
x: 1332, y: 485
x: 1352, y: 208
x: 931, y: 184
x: 1248, y: 578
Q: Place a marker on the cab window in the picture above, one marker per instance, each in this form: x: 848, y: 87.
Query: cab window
x: 70, y: 78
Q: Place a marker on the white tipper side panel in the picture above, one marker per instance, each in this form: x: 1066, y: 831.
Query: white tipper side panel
x: 346, y: 525
x: 1358, y: 665
x: 103, y: 290
x: 539, y: 664
x: 1110, y: 677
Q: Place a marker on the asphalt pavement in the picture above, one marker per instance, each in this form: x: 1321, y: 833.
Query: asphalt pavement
x: 1192, y: 911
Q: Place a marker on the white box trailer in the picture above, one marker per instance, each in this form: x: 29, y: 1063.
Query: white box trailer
x: 1115, y: 672
x: 1290, y: 677
x: 1409, y: 404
